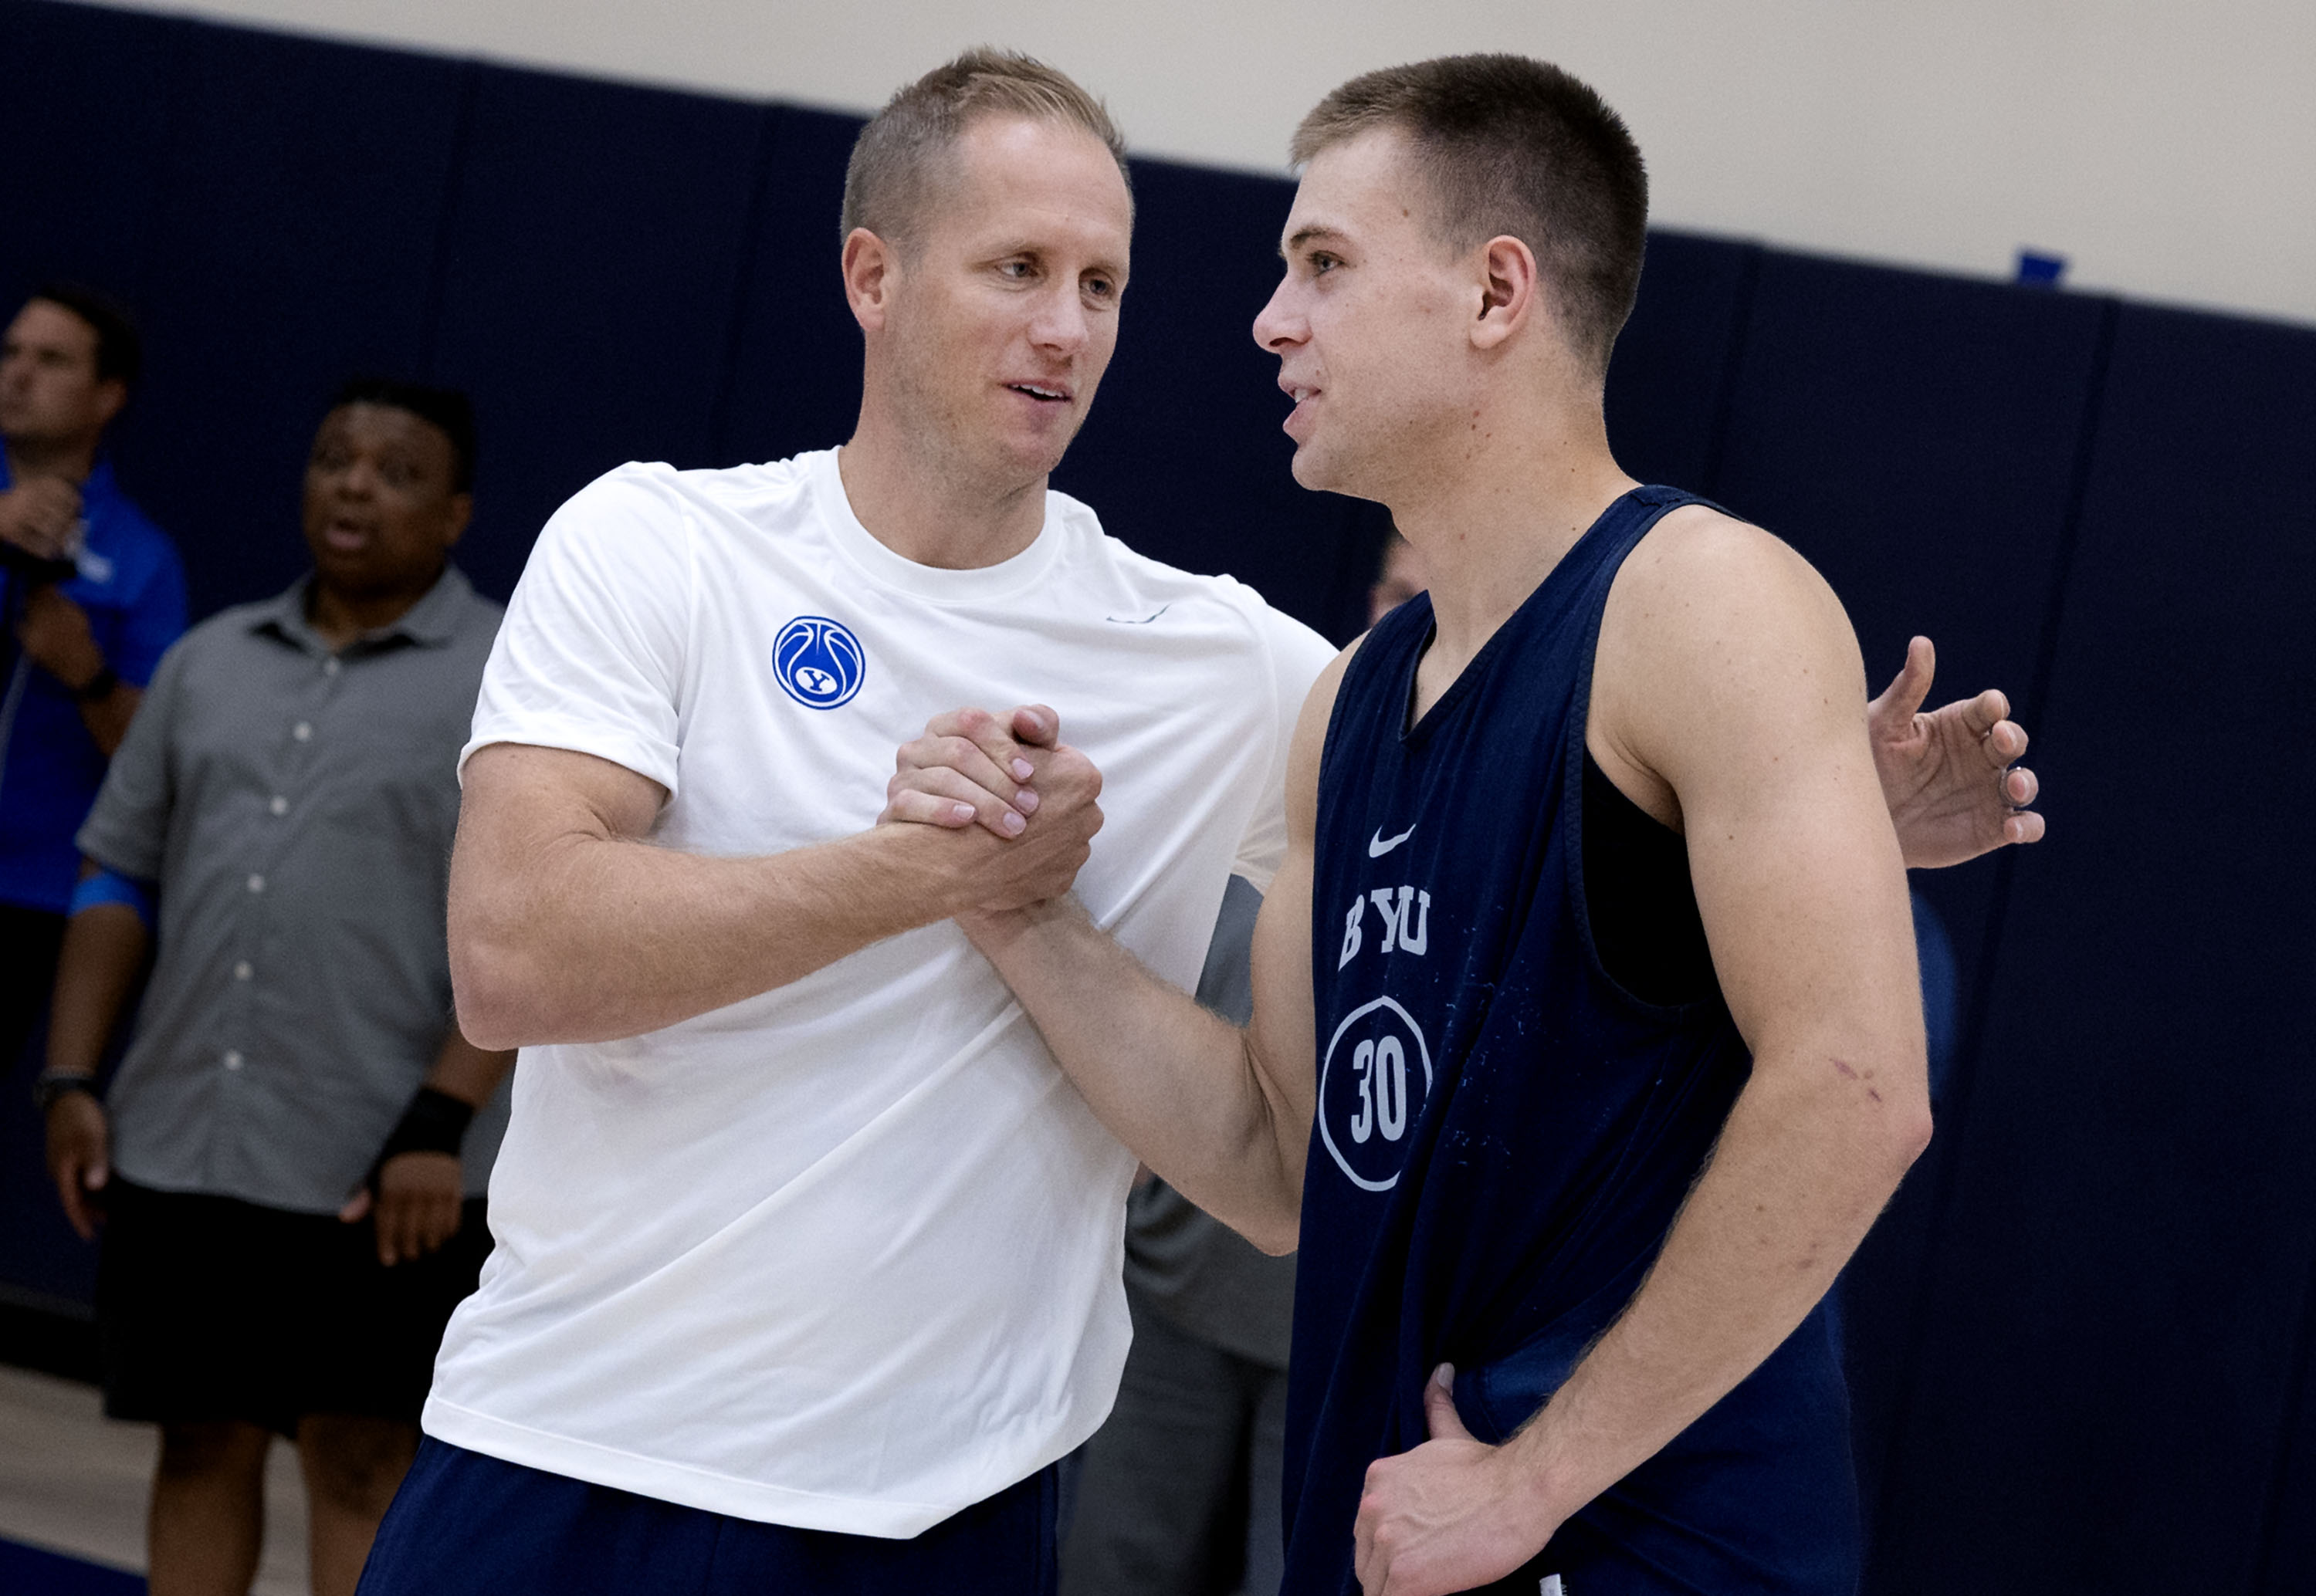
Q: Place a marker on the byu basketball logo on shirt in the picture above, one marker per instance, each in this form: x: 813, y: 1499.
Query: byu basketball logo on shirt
x: 818, y: 662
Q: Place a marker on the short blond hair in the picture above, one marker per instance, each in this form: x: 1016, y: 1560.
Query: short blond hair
x: 887, y: 181
x: 1509, y: 146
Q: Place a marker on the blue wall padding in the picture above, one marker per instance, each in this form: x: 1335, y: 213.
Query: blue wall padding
x: 86, y: 120
x: 2117, y: 1327
x: 1669, y: 384
x: 2081, y: 1337
x: 296, y: 240
x: 590, y: 274
x: 795, y: 376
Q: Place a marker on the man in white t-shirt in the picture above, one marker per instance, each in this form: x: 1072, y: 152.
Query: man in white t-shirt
x: 809, y: 1258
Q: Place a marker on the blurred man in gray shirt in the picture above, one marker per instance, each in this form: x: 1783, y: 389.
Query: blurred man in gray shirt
x: 285, y: 1163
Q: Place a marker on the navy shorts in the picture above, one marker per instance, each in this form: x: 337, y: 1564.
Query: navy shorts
x: 464, y: 1524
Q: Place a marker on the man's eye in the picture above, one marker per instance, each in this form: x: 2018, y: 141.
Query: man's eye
x: 1323, y: 264
x: 1017, y: 268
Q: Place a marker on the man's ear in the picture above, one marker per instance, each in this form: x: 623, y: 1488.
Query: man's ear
x: 460, y: 510
x: 871, y: 265
x: 112, y: 398
x: 1511, y: 292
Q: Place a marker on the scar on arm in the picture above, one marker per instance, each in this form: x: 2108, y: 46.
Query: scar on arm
x: 1849, y: 1074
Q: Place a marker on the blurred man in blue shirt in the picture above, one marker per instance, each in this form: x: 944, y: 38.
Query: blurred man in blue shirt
x: 91, y: 594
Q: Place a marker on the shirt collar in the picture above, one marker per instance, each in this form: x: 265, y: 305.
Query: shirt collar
x: 431, y: 622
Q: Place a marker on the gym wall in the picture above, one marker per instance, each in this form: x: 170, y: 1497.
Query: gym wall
x: 2167, y: 148
x: 2081, y: 1337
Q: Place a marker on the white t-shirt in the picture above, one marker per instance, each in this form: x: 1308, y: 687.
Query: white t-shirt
x: 845, y: 1255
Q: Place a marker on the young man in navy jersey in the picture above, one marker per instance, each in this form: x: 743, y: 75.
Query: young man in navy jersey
x: 1587, y: 1042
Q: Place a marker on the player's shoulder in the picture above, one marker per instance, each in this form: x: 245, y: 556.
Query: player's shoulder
x: 1708, y: 607
x: 1319, y: 704
x: 1701, y: 571
x: 1703, y: 545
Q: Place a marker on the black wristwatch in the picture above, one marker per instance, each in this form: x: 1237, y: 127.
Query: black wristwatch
x: 97, y: 687
x: 55, y: 1084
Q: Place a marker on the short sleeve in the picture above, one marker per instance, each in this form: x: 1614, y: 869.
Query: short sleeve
x: 155, y: 617
x: 591, y: 655
x: 1296, y: 655
x: 127, y: 828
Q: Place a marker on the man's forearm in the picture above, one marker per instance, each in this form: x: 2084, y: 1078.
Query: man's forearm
x: 603, y: 938
x: 1182, y: 1087
x: 466, y: 1072
x: 1803, y: 1168
x: 104, y: 947
x: 107, y: 718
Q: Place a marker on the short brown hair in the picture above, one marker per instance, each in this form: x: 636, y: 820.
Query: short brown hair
x: 120, y: 352
x: 1509, y: 145
x: 886, y: 180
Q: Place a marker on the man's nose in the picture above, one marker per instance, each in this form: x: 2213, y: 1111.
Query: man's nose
x: 1061, y: 322
x: 1278, y: 326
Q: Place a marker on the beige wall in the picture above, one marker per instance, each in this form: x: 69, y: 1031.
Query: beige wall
x: 2167, y: 148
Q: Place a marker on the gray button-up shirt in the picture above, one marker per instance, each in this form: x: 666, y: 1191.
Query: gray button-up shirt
x: 296, y: 809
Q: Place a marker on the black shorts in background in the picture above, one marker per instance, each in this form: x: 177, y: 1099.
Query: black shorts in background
x: 212, y: 1309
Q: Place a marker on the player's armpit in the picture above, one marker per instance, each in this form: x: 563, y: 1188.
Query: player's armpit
x: 1729, y: 694
x: 1727, y: 678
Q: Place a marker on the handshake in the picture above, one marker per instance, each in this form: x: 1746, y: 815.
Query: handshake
x: 1022, y: 801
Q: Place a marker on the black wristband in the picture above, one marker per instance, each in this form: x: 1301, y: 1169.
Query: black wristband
x: 99, y: 687
x: 56, y: 1083
x: 434, y: 1122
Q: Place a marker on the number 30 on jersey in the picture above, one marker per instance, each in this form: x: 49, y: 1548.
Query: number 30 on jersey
x: 1372, y: 1085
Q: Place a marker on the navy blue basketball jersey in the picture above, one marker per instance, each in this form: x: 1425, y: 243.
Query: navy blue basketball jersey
x: 1504, y: 1135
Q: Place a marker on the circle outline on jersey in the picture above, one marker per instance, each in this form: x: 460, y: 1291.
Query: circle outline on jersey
x: 835, y: 657
x: 1423, y: 1050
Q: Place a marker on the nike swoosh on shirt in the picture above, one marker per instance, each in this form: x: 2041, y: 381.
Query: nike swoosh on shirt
x: 1139, y: 620
x: 1379, y: 845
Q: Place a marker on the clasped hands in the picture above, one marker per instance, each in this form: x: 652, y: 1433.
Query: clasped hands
x: 1023, y: 802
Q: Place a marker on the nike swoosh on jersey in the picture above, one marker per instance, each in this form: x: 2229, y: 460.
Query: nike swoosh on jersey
x: 1379, y: 845
x: 1139, y: 620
